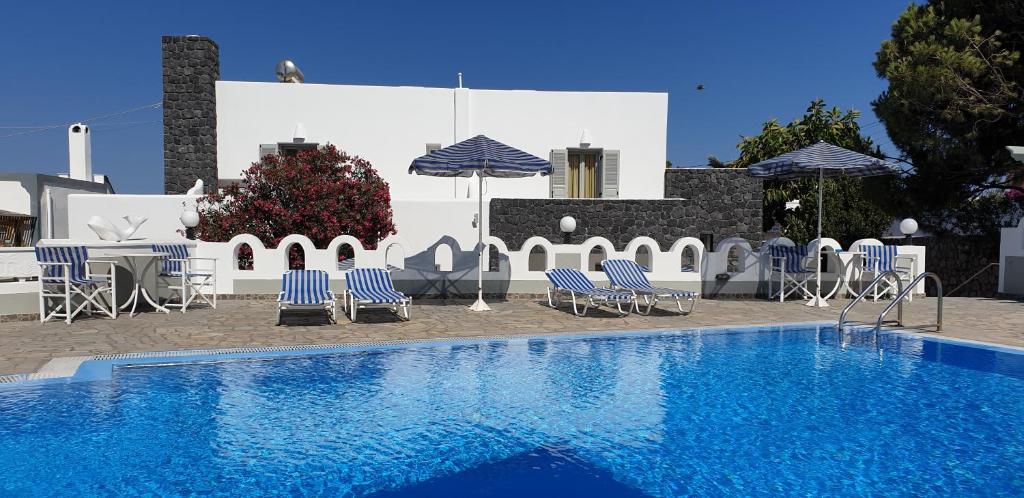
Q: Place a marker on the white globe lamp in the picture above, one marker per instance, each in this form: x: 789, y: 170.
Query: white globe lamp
x: 908, y: 227
x: 190, y: 218
x: 567, y: 225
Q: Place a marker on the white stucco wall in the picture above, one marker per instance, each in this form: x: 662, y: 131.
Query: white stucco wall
x: 163, y: 213
x: 390, y: 126
x: 1011, y: 260
x: 16, y: 199
x: 632, y: 123
x: 420, y: 223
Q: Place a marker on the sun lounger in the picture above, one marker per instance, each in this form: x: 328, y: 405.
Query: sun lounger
x: 372, y: 287
x: 626, y: 275
x: 306, y: 289
x: 577, y: 285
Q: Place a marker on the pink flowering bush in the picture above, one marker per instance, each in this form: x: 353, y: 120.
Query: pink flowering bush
x: 320, y: 193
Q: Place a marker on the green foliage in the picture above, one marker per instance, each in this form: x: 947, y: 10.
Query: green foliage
x: 852, y: 209
x: 954, y: 102
x: 714, y: 162
x: 982, y: 215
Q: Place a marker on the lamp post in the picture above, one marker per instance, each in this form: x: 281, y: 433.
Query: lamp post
x: 189, y: 218
x: 567, y: 225
x: 908, y: 227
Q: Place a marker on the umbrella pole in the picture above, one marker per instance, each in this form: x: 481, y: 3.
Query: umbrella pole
x: 480, y: 305
x: 817, y: 301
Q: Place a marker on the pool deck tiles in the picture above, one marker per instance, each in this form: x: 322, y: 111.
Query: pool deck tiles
x: 55, y: 349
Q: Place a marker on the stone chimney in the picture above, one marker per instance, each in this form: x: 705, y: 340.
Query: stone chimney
x: 191, y: 68
x: 80, y: 152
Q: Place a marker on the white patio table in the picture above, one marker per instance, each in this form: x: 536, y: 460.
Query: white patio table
x: 134, y: 261
x: 850, y: 265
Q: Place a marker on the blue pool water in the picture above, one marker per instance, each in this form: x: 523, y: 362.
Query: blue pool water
x: 755, y: 412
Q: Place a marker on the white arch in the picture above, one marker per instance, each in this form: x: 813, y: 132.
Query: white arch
x: 443, y: 257
x: 653, y: 250
x: 677, y: 246
x: 680, y: 245
x: 308, y: 250
x: 826, y: 243
x: 777, y: 241
x: 635, y: 244
x: 357, y: 246
x: 858, y: 245
x: 489, y: 242
x: 246, y: 238
x: 258, y: 251
x: 391, y: 258
x: 500, y: 244
x: 726, y: 246
x: 543, y: 243
x: 378, y: 258
x: 727, y: 243
x: 588, y: 245
x: 334, y: 247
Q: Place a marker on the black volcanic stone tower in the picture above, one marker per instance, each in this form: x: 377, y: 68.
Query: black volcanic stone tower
x: 191, y: 68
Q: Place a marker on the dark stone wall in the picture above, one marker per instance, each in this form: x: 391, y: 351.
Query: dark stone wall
x: 719, y: 202
x: 954, y: 258
x: 191, y: 67
x: 732, y: 197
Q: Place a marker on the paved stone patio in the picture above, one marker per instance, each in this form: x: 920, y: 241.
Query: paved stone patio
x: 27, y: 346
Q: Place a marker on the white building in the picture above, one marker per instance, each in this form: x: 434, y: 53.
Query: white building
x: 42, y: 200
x: 390, y: 126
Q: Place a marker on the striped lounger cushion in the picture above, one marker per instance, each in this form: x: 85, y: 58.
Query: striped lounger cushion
x: 628, y: 274
x: 305, y: 287
x: 373, y: 285
x: 574, y: 280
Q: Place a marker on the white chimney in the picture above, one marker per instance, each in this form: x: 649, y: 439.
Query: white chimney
x: 80, y: 152
x: 299, y: 135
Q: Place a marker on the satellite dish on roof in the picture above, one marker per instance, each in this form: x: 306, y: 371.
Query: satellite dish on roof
x: 288, y: 72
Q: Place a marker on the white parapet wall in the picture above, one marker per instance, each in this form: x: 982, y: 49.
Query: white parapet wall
x: 1011, y: 260
x: 163, y: 213
x: 421, y: 222
x: 448, y: 267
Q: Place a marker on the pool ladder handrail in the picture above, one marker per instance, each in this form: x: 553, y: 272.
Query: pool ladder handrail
x: 910, y: 288
x: 874, y: 283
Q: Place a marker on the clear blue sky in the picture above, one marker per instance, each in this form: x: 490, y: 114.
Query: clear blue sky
x: 67, y: 61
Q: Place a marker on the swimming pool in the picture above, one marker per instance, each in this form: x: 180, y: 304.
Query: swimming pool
x: 752, y: 412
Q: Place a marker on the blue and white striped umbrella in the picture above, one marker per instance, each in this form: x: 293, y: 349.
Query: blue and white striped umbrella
x: 480, y: 155
x: 822, y: 159
x: 484, y: 157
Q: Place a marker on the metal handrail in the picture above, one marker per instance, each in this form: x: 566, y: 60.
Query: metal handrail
x: 965, y: 282
x: 874, y: 283
x: 910, y: 288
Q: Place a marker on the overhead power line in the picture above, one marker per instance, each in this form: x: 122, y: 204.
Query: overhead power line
x: 36, y: 129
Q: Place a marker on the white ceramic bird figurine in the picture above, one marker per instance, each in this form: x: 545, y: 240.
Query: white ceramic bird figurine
x: 108, y: 231
x: 196, y: 189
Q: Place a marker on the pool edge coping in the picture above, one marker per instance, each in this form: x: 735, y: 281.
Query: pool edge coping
x: 100, y: 367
